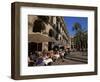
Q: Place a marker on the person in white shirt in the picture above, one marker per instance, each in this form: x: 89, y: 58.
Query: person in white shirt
x: 47, y: 59
x: 62, y: 55
x: 56, y: 56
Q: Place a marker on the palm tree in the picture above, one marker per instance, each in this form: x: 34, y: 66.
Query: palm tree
x: 78, y: 35
x: 85, y: 40
x: 77, y: 27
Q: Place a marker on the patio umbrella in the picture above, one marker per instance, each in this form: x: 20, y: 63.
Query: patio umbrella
x: 39, y: 38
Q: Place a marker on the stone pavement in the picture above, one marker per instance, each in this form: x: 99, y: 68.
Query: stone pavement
x: 73, y: 58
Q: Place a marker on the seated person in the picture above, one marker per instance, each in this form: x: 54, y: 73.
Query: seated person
x: 56, y: 56
x: 47, y: 60
x: 30, y: 61
x: 51, y: 53
x: 39, y: 60
x: 62, y: 55
x: 66, y: 53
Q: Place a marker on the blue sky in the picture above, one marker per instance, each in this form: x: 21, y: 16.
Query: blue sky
x: 69, y: 21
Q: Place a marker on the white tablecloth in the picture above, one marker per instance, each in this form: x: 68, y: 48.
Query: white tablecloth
x: 46, y: 61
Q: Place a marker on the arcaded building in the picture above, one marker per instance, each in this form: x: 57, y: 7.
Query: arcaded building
x: 51, y: 26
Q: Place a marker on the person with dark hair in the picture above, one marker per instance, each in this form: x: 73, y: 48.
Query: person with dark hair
x: 56, y: 56
x: 62, y: 55
x: 30, y: 59
x: 66, y: 53
x: 39, y: 61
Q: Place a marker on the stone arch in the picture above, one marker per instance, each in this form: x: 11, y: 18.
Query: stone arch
x: 51, y: 33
